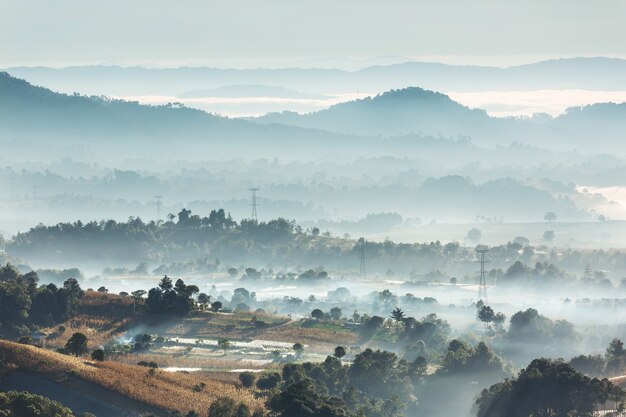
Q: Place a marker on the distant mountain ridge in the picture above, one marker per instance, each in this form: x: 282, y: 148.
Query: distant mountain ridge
x: 40, y: 118
x: 570, y: 73
x: 381, y: 122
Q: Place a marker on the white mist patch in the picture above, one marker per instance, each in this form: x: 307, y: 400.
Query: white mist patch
x: 615, y: 205
x: 247, y: 106
x: 527, y: 103
x: 177, y: 369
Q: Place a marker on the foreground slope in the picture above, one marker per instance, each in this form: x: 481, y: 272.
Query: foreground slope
x: 165, y: 391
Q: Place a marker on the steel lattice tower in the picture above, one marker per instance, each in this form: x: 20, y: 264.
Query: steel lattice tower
x: 482, y: 285
x: 158, y: 207
x: 254, y: 190
x: 362, y: 273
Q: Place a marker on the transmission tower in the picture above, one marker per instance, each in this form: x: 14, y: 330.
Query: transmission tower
x: 362, y: 269
x: 158, y: 207
x: 254, y: 204
x: 482, y: 285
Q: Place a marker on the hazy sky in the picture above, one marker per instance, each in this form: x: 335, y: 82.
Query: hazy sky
x: 293, y: 32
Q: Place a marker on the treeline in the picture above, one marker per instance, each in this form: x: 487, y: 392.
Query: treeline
x: 379, y: 384
x: 189, y: 243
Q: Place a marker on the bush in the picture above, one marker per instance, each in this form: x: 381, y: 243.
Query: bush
x: 97, y: 355
x: 269, y: 381
x: 227, y: 407
x: 247, y: 379
x: 77, y: 345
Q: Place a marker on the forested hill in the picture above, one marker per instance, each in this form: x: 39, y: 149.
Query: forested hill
x: 31, y: 113
x: 29, y: 108
x: 415, y: 110
x: 392, y: 113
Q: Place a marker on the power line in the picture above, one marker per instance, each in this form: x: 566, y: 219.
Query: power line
x: 254, y: 203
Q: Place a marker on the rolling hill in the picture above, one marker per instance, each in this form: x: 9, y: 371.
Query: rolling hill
x: 373, y: 124
x: 396, y: 112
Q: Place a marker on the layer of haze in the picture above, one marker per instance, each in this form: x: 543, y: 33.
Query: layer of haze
x: 296, y: 33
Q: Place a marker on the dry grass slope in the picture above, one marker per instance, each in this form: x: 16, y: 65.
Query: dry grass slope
x: 169, y: 391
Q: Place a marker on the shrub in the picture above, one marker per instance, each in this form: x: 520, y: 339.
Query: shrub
x: 97, y: 355
x: 77, y: 345
x: 269, y: 381
x: 247, y: 379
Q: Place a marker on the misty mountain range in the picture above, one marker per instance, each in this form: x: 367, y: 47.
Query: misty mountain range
x: 28, y: 112
x: 444, y: 159
x: 571, y: 73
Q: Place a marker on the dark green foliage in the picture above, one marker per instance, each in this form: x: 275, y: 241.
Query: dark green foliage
x: 546, y: 388
x: 541, y: 275
x: 486, y: 314
x: 168, y: 298
x: 340, y: 352
x: 23, y: 304
x: 530, y: 333
x: 247, y: 379
x: 300, y: 399
x: 77, y: 345
x: 317, y: 314
x: 373, y: 324
x: 376, y: 373
x: 8, y: 273
x: 24, y: 404
x: 431, y: 330
x: 615, y: 357
x: 590, y: 365
x: 268, y: 381
x: 227, y: 407
x: 397, y: 314
x: 335, y: 313
x: 481, y: 363
x: 332, y: 389
x: 97, y: 355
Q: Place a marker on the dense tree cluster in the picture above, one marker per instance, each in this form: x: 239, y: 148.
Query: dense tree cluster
x: 24, y: 404
x: 24, y: 304
x: 547, y: 388
x: 372, y: 386
x: 169, y: 298
x: 530, y: 331
x: 612, y: 363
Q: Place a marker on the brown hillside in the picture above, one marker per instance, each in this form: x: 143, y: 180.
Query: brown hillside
x: 168, y: 391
